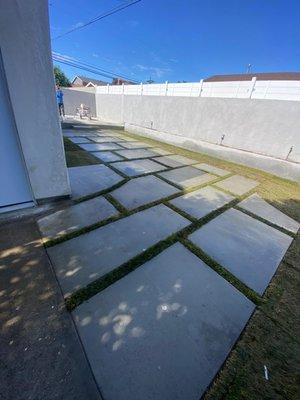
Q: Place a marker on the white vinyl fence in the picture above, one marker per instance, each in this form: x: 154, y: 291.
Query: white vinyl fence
x: 275, y: 90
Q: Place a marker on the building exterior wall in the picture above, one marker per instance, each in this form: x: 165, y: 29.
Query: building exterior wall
x: 25, y: 46
x: 258, y: 133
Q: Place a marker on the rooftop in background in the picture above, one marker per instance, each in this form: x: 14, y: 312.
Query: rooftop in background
x: 80, y: 80
x: 120, y: 81
x: 264, y: 76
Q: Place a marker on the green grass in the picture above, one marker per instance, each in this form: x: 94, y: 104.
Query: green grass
x: 272, y: 335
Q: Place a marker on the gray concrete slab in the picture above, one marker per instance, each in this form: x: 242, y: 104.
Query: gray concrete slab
x: 175, y: 160
x: 138, y: 167
x: 212, y: 169
x: 107, y: 156
x: 163, y: 331
x: 75, y: 217
x: 135, y: 145
x: 161, y: 152
x: 128, y: 138
x: 79, y: 261
x: 105, y: 139
x: 41, y: 354
x: 141, y: 191
x: 201, y: 202
x: 74, y: 133
x: 100, y: 146
x: 256, y: 205
x: 77, y: 140
x: 108, y: 132
x: 136, y: 153
x: 248, y: 248
x: 187, y: 177
x: 91, y: 179
x: 237, y: 184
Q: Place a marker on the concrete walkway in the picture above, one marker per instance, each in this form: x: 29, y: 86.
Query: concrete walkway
x: 161, y: 260
x: 164, y: 330
x: 41, y: 357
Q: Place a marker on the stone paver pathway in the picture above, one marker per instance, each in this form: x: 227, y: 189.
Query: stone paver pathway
x: 248, y: 248
x: 256, y: 205
x: 78, y: 140
x: 75, y: 217
x: 85, y: 258
x: 237, y: 184
x: 187, y: 177
x: 136, y: 145
x: 138, y: 167
x: 175, y: 160
x: 100, y: 146
x: 141, y: 191
x: 202, y: 202
x: 164, y: 330
x: 212, y: 169
x: 104, y: 139
x: 136, y: 153
x: 107, y: 156
x: 91, y: 179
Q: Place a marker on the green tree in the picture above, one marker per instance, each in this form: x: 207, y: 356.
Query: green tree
x: 60, y: 77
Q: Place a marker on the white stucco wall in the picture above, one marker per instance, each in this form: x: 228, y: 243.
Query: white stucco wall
x: 258, y: 133
x: 25, y: 46
x: 73, y: 97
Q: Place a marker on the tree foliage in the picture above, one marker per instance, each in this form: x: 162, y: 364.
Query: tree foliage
x: 60, y: 77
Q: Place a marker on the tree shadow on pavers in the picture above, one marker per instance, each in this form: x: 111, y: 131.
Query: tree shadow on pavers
x: 165, y: 321
x: 271, y: 338
x: 40, y: 353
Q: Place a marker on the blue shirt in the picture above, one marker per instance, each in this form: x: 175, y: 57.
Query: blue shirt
x: 59, y: 96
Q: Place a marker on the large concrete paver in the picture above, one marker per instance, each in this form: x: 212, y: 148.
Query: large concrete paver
x: 161, y: 152
x: 91, y: 179
x: 256, y: 205
x: 138, y: 167
x: 212, y: 169
x: 202, y: 202
x: 76, y: 217
x: 136, y: 145
x: 136, y: 153
x: 74, y: 133
x: 248, y: 248
x: 78, y: 140
x: 141, y: 191
x: 100, y: 146
x: 237, y: 184
x: 79, y: 261
x: 104, y: 139
x: 163, y: 331
x: 175, y: 160
x: 107, y: 156
x: 187, y: 177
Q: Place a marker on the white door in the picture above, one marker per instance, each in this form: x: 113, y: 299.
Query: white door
x: 14, y: 184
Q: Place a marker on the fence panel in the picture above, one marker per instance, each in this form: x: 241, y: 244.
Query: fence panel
x: 276, y: 90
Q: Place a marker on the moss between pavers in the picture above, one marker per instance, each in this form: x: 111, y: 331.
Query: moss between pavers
x: 272, y: 334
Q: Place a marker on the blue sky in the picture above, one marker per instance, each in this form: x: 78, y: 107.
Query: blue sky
x: 179, y: 40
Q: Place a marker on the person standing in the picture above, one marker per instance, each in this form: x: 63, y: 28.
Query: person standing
x: 60, y: 101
